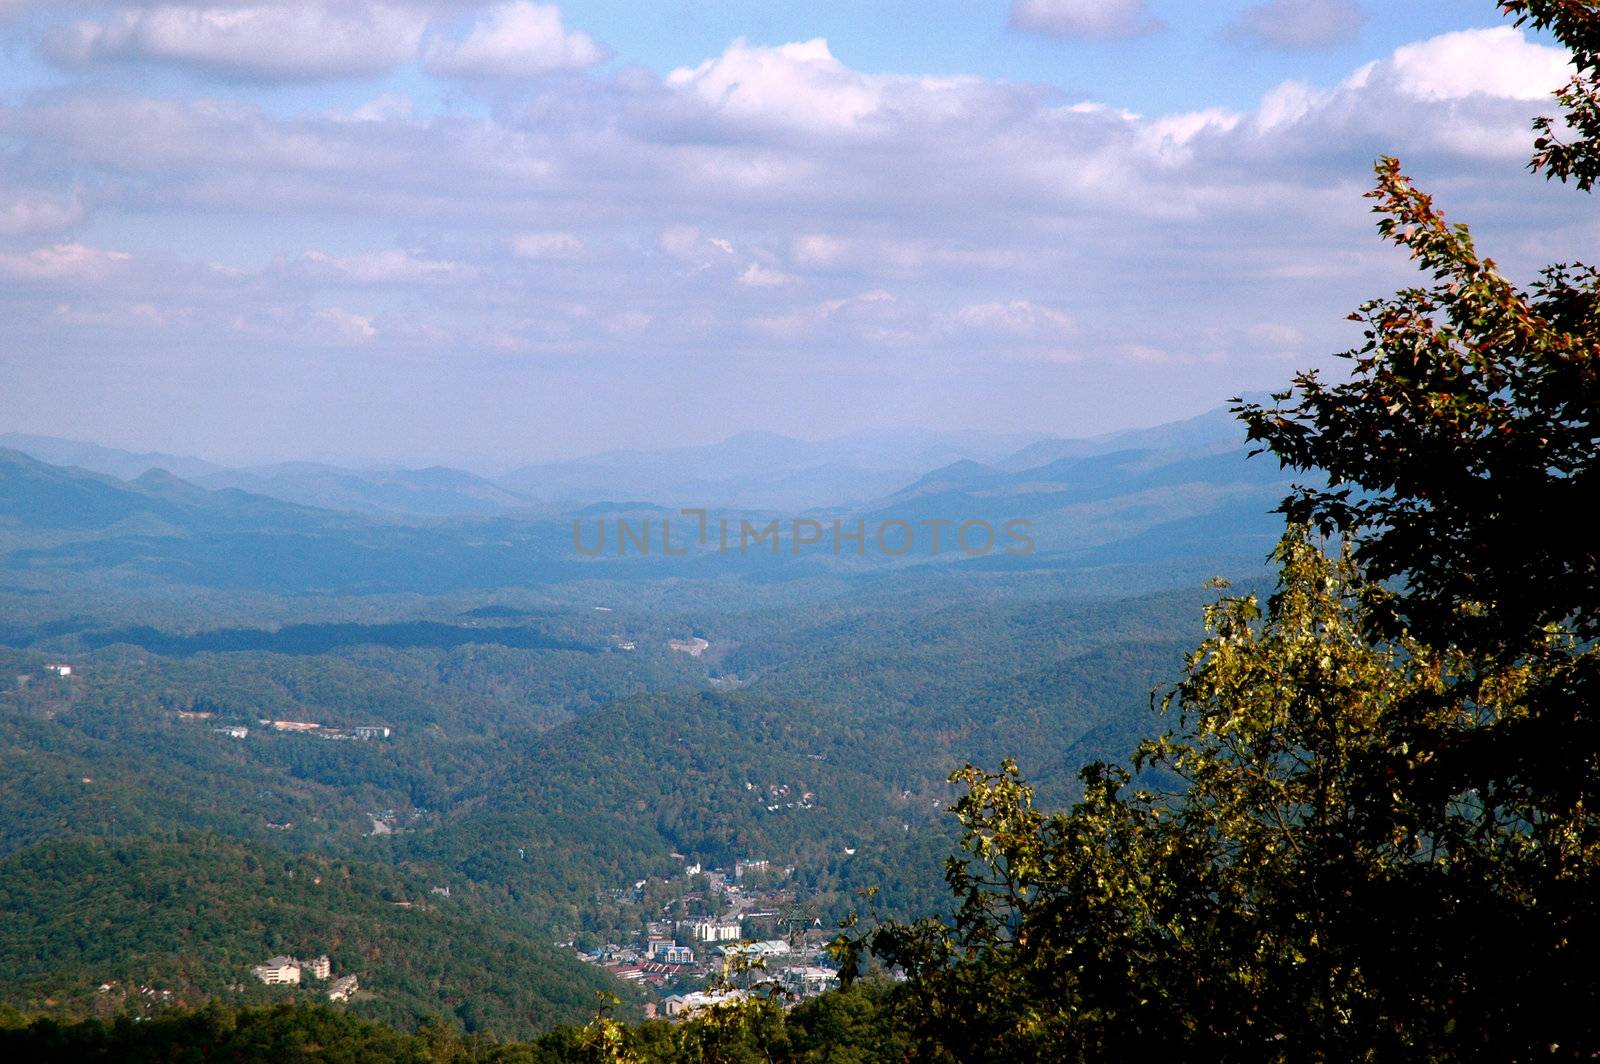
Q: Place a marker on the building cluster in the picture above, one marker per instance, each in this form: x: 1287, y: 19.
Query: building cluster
x: 363, y: 732
x: 775, y: 797
x: 290, y: 971
x: 728, y: 930
x: 360, y: 731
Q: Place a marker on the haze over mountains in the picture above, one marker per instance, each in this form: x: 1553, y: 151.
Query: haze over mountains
x: 750, y: 470
x: 1179, y: 491
x: 757, y: 470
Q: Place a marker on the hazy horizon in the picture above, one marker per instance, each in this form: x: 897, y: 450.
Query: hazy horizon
x: 977, y: 439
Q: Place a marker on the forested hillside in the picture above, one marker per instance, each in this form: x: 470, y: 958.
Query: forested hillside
x: 533, y: 765
x: 139, y: 923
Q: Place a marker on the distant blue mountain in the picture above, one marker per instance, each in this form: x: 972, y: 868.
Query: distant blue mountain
x: 108, y: 460
x: 434, y: 492
x: 760, y: 470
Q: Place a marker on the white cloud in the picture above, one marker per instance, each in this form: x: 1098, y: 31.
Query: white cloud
x: 687, y: 245
x: 1018, y: 318
x: 758, y: 276
x: 896, y: 199
x: 345, y: 326
x: 800, y: 85
x: 1303, y: 23
x: 876, y: 315
x: 63, y: 262
x: 1497, y: 62
x: 1085, y: 18
x: 295, y: 39
x: 514, y: 40
x: 1168, y: 139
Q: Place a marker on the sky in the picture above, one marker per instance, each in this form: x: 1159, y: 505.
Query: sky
x: 486, y: 233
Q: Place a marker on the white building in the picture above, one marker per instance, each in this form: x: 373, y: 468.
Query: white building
x: 233, y: 731
x: 342, y: 988
x: 320, y: 968
x: 772, y: 947
x: 370, y: 731
x: 668, y: 953
x: 278, y: 971
x: 685, y: 1004
x: 59, y: 668
x: 711, y: 930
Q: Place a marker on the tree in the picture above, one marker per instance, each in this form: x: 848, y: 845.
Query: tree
x: 1463, y: 454
x: 1227, y: 918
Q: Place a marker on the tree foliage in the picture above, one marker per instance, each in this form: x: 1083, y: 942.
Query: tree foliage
x: 1576, y: 157
x: 1383, y: 844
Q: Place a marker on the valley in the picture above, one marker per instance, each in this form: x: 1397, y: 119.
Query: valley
x: 524, y: 763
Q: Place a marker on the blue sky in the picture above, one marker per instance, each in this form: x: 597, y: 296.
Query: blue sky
x: 488, y: 232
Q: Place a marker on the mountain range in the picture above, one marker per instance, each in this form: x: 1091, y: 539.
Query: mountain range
x: 750, y: 470
x: 1180, y: 491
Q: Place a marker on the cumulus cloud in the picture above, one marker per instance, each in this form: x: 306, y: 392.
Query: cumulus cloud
x: 1085, y: 18
x: 977, y: 164
x: 514, y: 40
x: 1303, y: 23
x: 1497, y: 63
x: 63, y: 262
x: 674, y: 202
x: 294, y: 39
x: 799, y: 84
